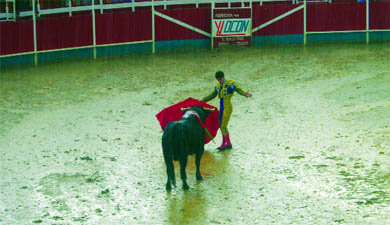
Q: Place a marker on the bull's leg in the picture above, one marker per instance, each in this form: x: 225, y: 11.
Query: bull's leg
x: 198, y: 157
x: 170, y: 170
x: 183, y: 164
x: 168, y: 185
x: 170, y: 175
x: 173, y: 178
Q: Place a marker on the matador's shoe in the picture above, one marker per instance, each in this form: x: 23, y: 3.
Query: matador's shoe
x: 228, y: 144
x: 226, y: 147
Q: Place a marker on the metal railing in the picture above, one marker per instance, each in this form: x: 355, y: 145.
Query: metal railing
x: 133, y: 5
x: 10, y: 10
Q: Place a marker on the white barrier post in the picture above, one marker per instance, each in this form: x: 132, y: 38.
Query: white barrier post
x: 38, y: 8
x: 367, y: 21
x: 35, y: 33
x: 153, y: 31
x: 250, y: 4
x: 6, y: 11
x: 93, y: 29
x: 304, y: 23
x: 212, y: 19
x: 70, y: 7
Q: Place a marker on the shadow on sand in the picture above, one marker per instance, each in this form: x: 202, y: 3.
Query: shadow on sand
x: 190, y: 207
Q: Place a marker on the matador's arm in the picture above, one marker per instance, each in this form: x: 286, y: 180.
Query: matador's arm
x: 238, y: 89
x: 210, y: 96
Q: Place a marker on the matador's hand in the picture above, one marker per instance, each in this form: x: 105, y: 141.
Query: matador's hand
x: 247, y: 94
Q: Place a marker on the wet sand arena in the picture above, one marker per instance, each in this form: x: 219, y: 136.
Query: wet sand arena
x: 79, y: 142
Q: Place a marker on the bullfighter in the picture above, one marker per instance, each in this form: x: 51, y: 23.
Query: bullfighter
x: 225, y: 90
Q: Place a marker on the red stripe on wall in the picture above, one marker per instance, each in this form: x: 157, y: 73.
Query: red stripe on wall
x: 124, y: 26
x: 167, y: 30
x: 16, y: 37
x: 64, y: 32
x: 336, y: 16
x: 379, y: 15
x: 292, y: 24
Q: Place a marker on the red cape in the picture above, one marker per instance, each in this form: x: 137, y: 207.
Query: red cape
x: 174, y: 113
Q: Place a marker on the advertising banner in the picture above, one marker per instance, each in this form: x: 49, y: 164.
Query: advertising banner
x: 232, y: 26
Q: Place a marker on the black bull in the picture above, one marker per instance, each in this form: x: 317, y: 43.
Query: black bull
x: 182, y: 138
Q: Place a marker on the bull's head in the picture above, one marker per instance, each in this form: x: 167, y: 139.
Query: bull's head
x: 202, y: 112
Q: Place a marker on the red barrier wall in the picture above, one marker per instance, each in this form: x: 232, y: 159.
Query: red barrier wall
x: 124, y: 26
x: 167, y: 30
x: 380, y: 15
x: 16, y: 37
x: 292, y: 24
x: 336, y: 16
x: 64, y: 32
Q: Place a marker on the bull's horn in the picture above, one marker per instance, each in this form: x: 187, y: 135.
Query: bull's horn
x: 185, y: 109
x: 209, y: 109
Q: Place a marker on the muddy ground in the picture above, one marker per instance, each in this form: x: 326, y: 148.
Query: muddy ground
x: 79, y: 142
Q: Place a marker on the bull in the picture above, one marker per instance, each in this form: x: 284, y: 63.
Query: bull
x: 182, y: 138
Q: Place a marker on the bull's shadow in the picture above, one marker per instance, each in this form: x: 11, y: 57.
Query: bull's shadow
x: 190, y: 207
x: 187, y: 208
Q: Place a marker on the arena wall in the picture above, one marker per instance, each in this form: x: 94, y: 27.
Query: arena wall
x: 125, y: 26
